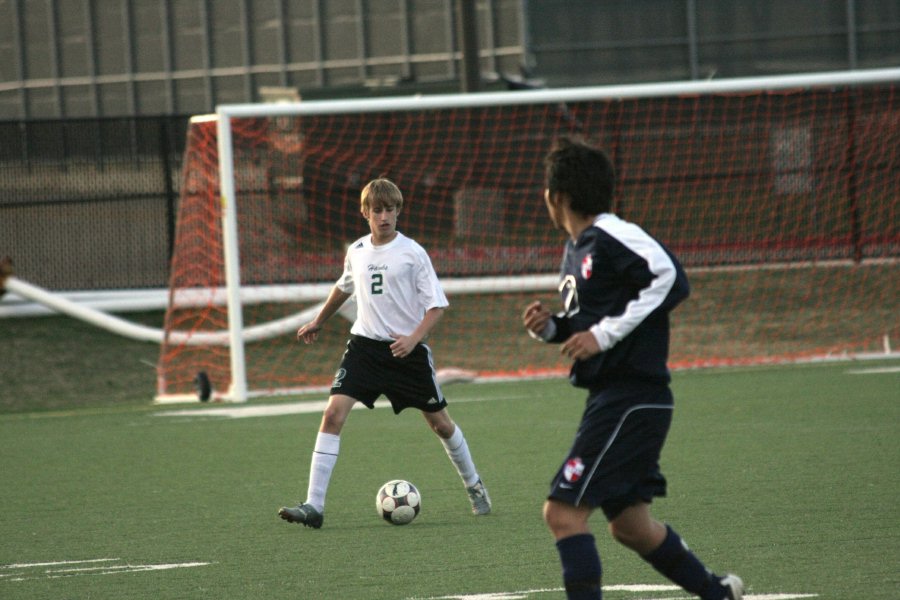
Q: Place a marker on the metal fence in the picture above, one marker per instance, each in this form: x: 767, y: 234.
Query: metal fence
x: 586, y: 42
x: 90, y: 204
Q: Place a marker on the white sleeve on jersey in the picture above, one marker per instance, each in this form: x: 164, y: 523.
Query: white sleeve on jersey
x: 431, y: 294
x: 345, y: 283
x: 611, y: 330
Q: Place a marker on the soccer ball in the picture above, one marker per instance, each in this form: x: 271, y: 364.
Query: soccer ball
x: 398, y: 502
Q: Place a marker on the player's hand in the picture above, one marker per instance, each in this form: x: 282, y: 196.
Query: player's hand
x: 403, y: 345
x: 535, y: 317
x: 580, y: 346
x: 309, y: 333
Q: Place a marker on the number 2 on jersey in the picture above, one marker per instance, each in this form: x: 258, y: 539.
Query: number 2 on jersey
x: 377, y: 283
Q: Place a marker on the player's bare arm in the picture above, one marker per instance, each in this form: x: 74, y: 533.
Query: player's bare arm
x: 580, y: 346
x: 535, y: 317
x: 404, y: 344
x: 309, y: 333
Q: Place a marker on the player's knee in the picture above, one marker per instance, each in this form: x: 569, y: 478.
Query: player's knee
x: 443, y: 430
x: 441, y: 424
x: 564, y: 520
x: 550, y: 517
x: 621, y: 534
x: 333, y: 418
x: 638, y: 538
x: 331, y: 424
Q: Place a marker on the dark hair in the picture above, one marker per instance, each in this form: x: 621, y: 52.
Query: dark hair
x: 584, y: 173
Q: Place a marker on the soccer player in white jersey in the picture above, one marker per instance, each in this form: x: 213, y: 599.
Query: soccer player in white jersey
x: 399, y: 301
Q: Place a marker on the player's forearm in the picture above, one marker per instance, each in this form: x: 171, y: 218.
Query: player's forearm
x: 561, y: 330
x: 333, y: 303
x: 431, y: 318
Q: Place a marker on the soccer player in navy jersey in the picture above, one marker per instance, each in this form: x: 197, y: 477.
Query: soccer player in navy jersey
x: 399, y: 301
x: 618, y: 285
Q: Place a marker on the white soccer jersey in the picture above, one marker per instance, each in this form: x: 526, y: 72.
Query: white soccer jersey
x: 395, y: 284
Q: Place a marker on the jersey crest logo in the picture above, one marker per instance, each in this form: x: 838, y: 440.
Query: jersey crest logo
x: 573, y: 470
x: 587, y: 267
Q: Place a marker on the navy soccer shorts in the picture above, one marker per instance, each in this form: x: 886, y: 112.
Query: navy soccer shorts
x: 368, y: 370
x: 614, y: 461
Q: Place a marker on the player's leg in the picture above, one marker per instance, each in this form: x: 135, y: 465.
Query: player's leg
x: 455, y: 444
x: 325, y: 453
x: 457, y: 449
x: 358, y: 379
x: 610, y: 453
x: 577, y: 548
x: 636, y: 451
x: 324, y: 458
x: 664, y: 549
x: 414, y: 385
x: 637, y: 530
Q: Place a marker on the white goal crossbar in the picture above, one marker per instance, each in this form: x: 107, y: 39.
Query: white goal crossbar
x: 226, y: 112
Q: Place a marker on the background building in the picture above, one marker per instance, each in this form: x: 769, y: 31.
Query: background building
x: 88, y: 58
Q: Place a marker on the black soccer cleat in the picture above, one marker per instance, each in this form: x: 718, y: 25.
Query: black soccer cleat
x: 302, y: 513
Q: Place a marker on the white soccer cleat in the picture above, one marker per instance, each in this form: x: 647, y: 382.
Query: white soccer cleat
x: 734, y: 587
x: 478, y: 496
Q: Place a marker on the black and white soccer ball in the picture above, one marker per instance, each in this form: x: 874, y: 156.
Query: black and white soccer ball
x: 398, y: 502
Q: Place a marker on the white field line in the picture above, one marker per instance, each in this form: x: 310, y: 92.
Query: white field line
x: 266, y: 410
x: 116, y: 568
x: 635, y: 588
x: 54, y: 573
x: 777, y: 596
x: 874, y: 370
x: 291, y: 408
x: 32, y: 571
x: 56, y: 563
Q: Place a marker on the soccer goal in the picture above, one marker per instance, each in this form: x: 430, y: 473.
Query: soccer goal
x: 780, y: 195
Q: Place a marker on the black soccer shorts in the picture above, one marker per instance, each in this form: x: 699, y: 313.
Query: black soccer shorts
x: 614, y: 460
x: 368, y: 370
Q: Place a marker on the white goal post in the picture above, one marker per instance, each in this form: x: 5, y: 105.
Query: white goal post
x: 544, y: 279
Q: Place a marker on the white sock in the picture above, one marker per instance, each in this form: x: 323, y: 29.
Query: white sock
x: 324, y: 457
x: 458, y: 451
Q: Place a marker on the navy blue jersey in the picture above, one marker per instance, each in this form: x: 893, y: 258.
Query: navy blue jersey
x: 620, y: 283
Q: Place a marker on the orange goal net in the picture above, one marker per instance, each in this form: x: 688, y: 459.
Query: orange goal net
x: 783, y: 202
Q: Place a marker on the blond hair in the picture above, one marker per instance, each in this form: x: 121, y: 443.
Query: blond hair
x: 380, y: 192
